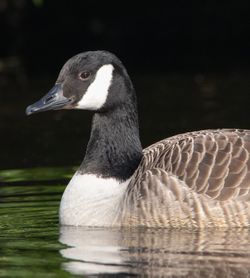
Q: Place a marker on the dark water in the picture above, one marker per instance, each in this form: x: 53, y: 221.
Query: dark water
x: 32, y: 244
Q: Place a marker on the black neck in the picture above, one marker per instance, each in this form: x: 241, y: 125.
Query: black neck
x: 114, y: 149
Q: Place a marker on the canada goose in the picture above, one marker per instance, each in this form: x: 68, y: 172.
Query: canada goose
x: 196, y: 179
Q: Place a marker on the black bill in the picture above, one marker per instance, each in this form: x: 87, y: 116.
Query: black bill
x: 52, y: 101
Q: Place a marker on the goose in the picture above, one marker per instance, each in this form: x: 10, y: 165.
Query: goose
x: 193, y: 180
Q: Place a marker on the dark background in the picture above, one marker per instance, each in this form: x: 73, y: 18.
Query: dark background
x: 189, y: 61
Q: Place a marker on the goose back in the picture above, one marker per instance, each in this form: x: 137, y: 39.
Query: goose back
x: 199, y: 178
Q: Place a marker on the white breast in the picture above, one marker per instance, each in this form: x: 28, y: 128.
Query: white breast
x: 89, y: 200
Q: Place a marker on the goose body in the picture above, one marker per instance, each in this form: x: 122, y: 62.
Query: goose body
x: 196, y: 179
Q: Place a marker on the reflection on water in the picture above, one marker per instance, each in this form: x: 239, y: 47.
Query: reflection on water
x: 31, y: 240
x: 157, y: 252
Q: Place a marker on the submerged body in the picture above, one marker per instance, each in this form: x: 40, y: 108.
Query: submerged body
x: 197, y: 179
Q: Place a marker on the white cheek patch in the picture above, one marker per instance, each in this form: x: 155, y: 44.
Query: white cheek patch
x: 97, y: 92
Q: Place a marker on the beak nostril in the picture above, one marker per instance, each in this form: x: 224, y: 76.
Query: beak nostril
x: 48, y: 99
x: 54, y: 100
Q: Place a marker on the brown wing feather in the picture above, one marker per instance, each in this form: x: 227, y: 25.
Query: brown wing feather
x: 215, y: 163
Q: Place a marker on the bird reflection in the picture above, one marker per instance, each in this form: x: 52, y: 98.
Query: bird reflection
x: 156, y: 252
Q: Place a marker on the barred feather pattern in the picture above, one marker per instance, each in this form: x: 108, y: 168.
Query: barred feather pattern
x: 197, y: 179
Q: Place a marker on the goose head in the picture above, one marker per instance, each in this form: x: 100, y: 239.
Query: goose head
x: 85, y: 82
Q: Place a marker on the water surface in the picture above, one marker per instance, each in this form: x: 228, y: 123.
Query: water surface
x: 32, y: 244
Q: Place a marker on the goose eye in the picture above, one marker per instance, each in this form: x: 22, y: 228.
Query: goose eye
x: 84, y: 75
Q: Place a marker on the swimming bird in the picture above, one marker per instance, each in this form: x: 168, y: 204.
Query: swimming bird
x: 196, y: 179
